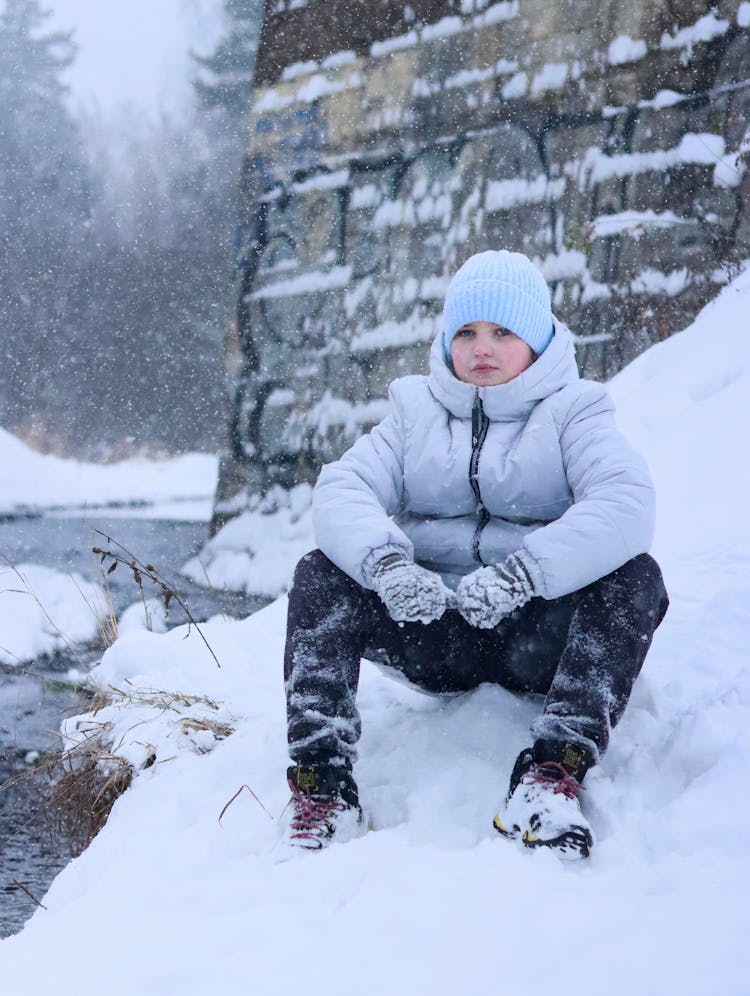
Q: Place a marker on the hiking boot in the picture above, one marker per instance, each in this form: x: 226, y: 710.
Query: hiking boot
x: 542, y: 805
x: 324, y: 806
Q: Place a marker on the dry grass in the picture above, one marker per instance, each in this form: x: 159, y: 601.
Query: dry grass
x: 217, y: 729
x: 139, y: 570
x: 73, y: 793
x: 83, y: 785
x: 74, y: 790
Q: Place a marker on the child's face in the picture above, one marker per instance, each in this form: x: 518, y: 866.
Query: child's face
x: 486, y: 354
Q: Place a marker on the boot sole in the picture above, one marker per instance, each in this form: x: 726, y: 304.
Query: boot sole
x: 572, y: 844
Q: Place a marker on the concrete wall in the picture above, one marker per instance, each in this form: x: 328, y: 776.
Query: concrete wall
x: 605, y: 140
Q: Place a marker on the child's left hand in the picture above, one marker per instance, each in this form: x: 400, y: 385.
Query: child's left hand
x: 489, y: 594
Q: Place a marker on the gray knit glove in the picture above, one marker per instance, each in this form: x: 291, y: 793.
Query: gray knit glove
x: 489, y: 594
x: 410, y: 593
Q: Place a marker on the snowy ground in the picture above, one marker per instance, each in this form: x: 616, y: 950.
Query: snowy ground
x: 166, y: 900
x: 44, y: 610
x: 257, y: 551
x: 180, y: 487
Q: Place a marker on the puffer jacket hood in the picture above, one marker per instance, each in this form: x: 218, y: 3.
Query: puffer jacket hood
x: 553, y: 370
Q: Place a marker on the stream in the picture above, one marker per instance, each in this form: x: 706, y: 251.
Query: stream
x: 35, y: 697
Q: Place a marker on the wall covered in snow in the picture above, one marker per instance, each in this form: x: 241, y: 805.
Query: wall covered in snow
x: 608, y: 141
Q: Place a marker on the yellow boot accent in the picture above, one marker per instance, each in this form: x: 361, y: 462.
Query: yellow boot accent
x: 498, y: 825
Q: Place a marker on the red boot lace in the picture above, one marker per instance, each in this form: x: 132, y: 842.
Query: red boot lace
x: 311, y: 814
x: 556, y: 776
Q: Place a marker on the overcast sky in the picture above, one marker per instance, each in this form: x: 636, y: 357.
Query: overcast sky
x: 135, y: 51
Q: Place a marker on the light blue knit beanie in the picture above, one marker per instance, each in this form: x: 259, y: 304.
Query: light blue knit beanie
x: 501, y: 287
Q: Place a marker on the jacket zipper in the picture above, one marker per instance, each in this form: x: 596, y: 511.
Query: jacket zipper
x: 479, y: 426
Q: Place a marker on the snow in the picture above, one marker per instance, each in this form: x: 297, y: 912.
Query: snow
x: 567, y: 264
x: 338, y: 59
x: 299, y: 69
x: 168, y: 900
x: 39, y: 482
x: 653, y: 281
x: 705, y: 29
x: 625, y: 49
x: 392, y: 334
x: 280, y: 6
x: 333, y: 412
x: 516, y: 86
x: 593, y: 290
x: 447, y: 27
x: 323, y: 181
x: 729, y: 171
x: 497, y: 13
x: 366, y: 196
x: 311, y: 87
x: 316, y: 281
x: 702, y: 148
x: 664, y: 98
x: 392, y: 214
x: 553, y: 76
x: 635, y: 223
x: 471, y: 77
x: 443, y: 28
x: 314, y: 84
x: 684, y: 402
x: 502, y: 195
x: 258, y: 550
x: 281, y: 397
x: 321, y: 86
x: 271, y: 101
x: 396, y: 44
x: 42, y: 610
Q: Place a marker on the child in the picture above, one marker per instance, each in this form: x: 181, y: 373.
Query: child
x: 494, y: 527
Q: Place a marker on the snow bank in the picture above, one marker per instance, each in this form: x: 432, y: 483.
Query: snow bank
x: 42, y: 611
x: 35, y: 482
x: 684, y: 403
x: 257, y: 551
x: 432, y: 901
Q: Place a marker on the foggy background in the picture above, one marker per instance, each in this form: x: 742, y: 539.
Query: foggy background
x: 120, y: 141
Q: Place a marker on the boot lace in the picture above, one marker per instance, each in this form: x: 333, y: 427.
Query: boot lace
x: 309, y: 822
x: 555, y: 776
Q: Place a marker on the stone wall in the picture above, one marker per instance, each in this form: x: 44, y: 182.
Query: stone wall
x: 607, y: 141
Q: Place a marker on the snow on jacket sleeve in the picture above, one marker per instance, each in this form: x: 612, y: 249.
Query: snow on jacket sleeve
x: 612, y: 518
x: 355, y: 497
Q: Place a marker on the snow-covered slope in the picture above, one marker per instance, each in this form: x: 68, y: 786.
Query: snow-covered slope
x: 33, y: 481
x: 686, y: 404
x: 166, y: 900
x: 42, y: 610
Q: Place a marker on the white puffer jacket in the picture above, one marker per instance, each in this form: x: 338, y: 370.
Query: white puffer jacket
x: 542, y: 470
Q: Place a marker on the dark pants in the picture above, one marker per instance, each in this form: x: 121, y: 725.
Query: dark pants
x: 583, y: 651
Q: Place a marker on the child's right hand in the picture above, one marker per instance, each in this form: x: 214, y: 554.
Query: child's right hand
x: 410, y: 593
x: 489, y: 594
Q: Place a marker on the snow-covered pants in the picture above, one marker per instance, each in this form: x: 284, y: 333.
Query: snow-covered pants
x: 583, y: 651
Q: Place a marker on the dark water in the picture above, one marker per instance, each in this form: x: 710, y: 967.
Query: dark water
x: 34, y: 698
